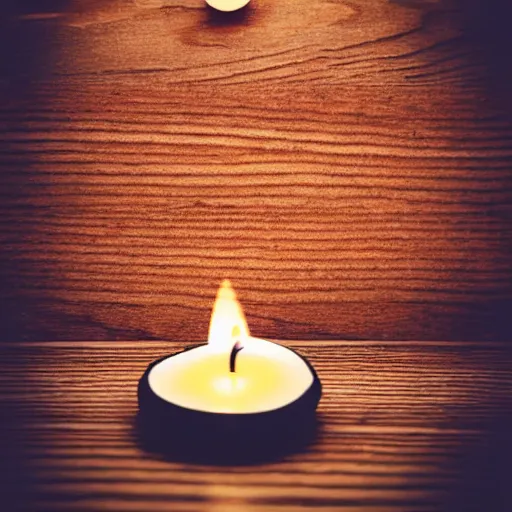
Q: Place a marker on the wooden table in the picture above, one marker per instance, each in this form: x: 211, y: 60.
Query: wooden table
x: 404, y: 427
x: 345, y: 163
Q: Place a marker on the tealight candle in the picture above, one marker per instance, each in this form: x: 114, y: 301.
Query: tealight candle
x: 234, y: 382
x: 265, y: 376
x: 227, y: 5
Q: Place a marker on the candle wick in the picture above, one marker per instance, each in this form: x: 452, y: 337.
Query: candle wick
x: 232, y: 358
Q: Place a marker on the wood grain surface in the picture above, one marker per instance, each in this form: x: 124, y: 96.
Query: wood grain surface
x: 345, y: 163
x: 404, y: 427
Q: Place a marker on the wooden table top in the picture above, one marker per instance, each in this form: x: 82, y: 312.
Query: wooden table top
x: 403, y: 427
x: 345, y: 163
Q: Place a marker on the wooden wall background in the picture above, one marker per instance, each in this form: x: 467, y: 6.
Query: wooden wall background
x: 346, y: 163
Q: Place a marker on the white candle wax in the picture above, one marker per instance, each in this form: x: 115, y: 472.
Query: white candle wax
x: 227, y: 5
x: 268, y: 376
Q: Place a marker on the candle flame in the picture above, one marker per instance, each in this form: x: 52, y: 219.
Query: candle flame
x: 227, y: 324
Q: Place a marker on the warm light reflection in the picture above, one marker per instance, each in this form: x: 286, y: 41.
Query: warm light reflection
x: 227, y: 324
x: 230, y: 384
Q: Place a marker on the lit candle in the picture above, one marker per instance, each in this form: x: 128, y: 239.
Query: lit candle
x: 233, y: 381
x: 227, y: 5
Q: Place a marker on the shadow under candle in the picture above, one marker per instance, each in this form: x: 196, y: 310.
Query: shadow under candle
x: 227, y: 19
x: 184, y: 444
